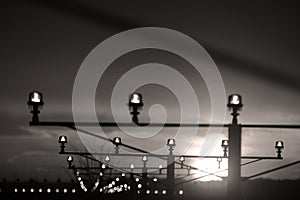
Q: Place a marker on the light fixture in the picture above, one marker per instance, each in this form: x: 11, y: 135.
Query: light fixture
x: 62, y: 140
x: 135, y: 103
x: 145, y: 159
x: 107, y: 159
x: 225, y: 146
x: 171, y: 144
x: 70, y: 160
x: 180, y: 192
x: 279, y: 146
x: 131, y: 166
x: 117, y: 141
x: 181, y: 159
x: 235, y: 102
x: 35, y: 100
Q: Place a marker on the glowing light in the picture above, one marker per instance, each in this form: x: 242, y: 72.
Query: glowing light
x: 135, y: 98
x: 180, y: 192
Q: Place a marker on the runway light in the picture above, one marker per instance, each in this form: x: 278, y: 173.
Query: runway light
x: 135, y: 103
x: 279, y: 146
x: 225, y: 146
x: 35, y: 100
x: 235, y: 102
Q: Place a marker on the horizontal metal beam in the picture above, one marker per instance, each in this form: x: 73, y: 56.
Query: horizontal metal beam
x: 165, y: 125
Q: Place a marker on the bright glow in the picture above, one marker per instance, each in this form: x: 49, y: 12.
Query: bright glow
x: 139, y: 186
x: 79, y: 178
x: 70, y: 158
x: 180, y: 192
x: 16, y: 190
x: 181, y: 159
x: 131, y: 166
x: 147, y: 191
x: 107, y: 159
x: 279, y: 145
x: 62, y: 139
x: 164, y: 192
x: 57, y: 190
x: 73, y: 190
x: 225, y: 143
x: 117, y: 179
x: 155, y: 179
x: 65, y: 190
x: 135, y: 98
x: 235, y: 100
x: 155, y: 191
x: 40, y: 190
x: 145, y: 158
x: 100, y: 174
x: 48, y: 190
x: 160, y: 166
x: 123, y: 174
x: 36, y: 97
x: 23, y: 190
x: 171, y: 142
x: 117, y: 140
x: 103, y: 166
x: 137, y: 179
x: 31, y: 190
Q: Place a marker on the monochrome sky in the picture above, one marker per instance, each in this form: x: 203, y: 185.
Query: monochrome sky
x: 43, y: 44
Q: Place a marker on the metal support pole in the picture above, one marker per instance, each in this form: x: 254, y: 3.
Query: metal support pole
x: 234, y: 160
x: 170, y: 175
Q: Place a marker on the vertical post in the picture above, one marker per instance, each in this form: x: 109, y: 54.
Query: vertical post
x: 35, y: 114
x: 234, y: 160
x: 132, y: 185
x: 170, y: 175
x: 144, y: 181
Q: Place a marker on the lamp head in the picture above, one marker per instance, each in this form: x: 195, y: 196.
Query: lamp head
x: 135, y: 99
x: 131, y: 166
x: 235, y: 102
x: 117, y: 141
x: 107, y: 159
x: 35, y: 98
x: 171, y: 142
x: 62, y: 139
x: 279, y: 145
x: 181, y: 159
x: 70, y: 159
x: 225, y: 143
x: 145, y: 159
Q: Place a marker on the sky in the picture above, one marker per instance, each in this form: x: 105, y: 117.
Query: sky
x: 43, y: 44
